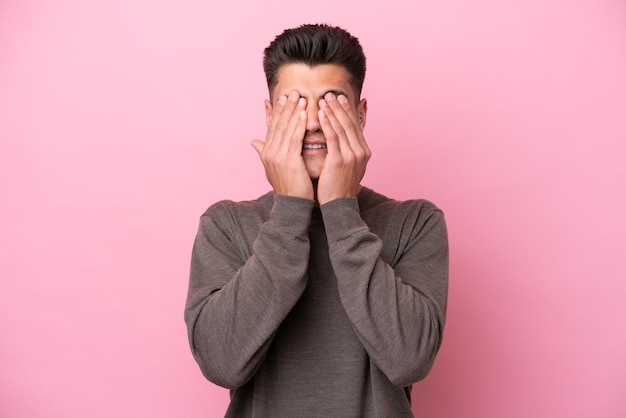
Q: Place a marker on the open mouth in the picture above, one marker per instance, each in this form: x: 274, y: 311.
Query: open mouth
x: 314, y: 146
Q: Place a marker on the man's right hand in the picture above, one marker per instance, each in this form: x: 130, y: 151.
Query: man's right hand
x: 281, y: 153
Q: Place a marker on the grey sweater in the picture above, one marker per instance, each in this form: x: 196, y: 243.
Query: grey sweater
x: 330, y: 311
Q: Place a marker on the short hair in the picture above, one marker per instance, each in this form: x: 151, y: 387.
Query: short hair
x: 315, y: 44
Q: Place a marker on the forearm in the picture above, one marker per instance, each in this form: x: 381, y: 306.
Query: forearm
x: 236, y: 304
x: 398, y: 312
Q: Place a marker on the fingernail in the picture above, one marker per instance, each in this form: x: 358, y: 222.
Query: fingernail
x: 293, y: 96
x: 302, y: 101
x: 342, y: 99
x: 323, y: 103
x: 329, y: 96
x: 282, y: 100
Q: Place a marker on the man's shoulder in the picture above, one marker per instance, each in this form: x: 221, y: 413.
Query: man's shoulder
x: 232, y: 208
x: 372, y: 202
x: 392, y: 219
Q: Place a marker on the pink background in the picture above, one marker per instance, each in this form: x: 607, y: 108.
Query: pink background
x: 121, y: 121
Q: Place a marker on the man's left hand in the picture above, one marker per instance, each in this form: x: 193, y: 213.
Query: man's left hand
x: 347, y: 152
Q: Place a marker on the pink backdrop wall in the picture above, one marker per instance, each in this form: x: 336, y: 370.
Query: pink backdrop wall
x: 121, y: 121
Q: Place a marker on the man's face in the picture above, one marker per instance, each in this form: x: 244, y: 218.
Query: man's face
x: 313, y: 83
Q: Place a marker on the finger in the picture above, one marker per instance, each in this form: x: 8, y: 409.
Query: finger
x: 338, y: 131
x: 298, y: 135
x: 284, y: 125
x: 343, y: 102
x: 332, y: 142
x: 258, y: 146
x: 341, y: 113
x: 356, y: 125
x: 297, y: 127
x: 277, y: 109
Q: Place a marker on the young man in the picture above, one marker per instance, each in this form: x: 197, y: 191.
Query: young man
x: 322, y: 297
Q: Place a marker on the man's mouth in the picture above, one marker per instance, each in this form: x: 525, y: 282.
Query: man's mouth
x: 314, y: 146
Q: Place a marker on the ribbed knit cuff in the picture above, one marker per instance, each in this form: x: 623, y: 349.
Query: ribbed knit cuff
x: 342, y: 218
x: 289, y: 211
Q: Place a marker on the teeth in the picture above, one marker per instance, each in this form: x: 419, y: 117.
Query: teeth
x: 314, y: 146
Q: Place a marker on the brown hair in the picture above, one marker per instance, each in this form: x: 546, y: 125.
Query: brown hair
x: 313, y: 45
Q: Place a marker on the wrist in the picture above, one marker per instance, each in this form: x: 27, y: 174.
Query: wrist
x: 327, y: 197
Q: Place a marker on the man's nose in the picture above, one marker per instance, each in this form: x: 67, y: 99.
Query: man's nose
x: 312, y: 117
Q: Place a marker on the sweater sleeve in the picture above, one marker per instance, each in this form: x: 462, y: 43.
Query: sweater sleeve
x: 236, y: 301
x: 397, y: 312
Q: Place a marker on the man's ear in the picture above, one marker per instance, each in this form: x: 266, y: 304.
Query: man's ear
x: 268, y: 111
x: 361, y: 110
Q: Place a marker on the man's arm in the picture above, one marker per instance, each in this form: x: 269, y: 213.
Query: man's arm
x: 398, y: 312
x: 238, y: 296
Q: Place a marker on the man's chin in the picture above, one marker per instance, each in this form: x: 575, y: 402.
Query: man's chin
x: 314, y: 172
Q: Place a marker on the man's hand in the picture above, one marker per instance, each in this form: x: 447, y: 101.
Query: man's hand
x: 347, y: 152
x: 281, y: 153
